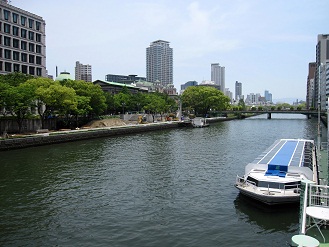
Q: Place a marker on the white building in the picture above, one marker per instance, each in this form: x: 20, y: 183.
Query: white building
x: 22, y: 41
x: 253, y: 99
x: 229, y: 94
x: 218, y: 75
x: 159, y: 62
x: 83, y: 72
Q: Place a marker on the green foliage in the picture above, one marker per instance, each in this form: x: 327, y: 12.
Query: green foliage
x: 202, y: 98
x: 14, y: 79
x: 241, y: 104
x: 91, y: 98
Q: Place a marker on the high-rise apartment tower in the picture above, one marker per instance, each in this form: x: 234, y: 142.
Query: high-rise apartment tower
x: 83, y: 72
x: 22, y: 41
x: 218, y: 75
x: 159, y: 62
x: 238, y: 90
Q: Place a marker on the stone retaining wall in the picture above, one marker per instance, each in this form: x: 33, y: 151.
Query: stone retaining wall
x: 76, y: 135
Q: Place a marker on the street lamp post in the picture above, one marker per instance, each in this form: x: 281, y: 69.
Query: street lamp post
x: 123, y: 107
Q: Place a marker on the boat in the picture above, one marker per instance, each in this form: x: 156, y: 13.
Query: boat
x: 274, y: 177
x: 199, y: 122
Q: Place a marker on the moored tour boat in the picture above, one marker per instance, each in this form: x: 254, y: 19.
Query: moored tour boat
x: 199, y: 122
x: 275, y: 176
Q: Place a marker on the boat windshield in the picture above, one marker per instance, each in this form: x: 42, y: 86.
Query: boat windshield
x: 273, y: 185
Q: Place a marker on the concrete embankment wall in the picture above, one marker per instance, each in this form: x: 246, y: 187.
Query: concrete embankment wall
x: 76, y: 135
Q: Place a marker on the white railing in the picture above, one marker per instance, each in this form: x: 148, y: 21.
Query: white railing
x: 241, y: 181
x: 294, y: 187
x: 318, y: 195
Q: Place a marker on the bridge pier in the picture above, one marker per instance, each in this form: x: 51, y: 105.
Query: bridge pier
x: 269, y: 115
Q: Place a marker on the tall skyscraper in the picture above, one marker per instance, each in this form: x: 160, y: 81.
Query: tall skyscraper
x: 22, y: 41
x: 83, y: 72
x: 238, y: 90
x: 159, y: 62
x: 322, y: 56
x: 310, y: 97
x: 218, y: 75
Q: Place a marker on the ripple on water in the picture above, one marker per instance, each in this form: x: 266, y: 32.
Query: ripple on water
x: 165, y: 188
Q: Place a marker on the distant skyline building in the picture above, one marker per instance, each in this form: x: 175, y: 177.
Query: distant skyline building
x: 229, y: 94
x: 22, y: 41
x: 125, y: 79
x: 218, y: 75
x: 253, y: 99
x: 159, y: 62
x: 268, y: 96
x: 238, y: 91
x: 188, y: 84
x: 83, y: 72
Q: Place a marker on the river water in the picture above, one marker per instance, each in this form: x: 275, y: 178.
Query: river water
x: 163, y: 188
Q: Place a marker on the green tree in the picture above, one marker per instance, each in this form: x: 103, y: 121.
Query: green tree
x: 19, y: 101
x: 15, y: 79
x: 58, y: 100
x: 202, y: 98
x: 92, y: 99
x: 138, y: 101
x: 39, y: 85
x: 122, y: 101
x: 242, y: 104
x: 154, y: 104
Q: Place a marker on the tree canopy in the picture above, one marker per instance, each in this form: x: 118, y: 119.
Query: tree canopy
x: 201, y: 99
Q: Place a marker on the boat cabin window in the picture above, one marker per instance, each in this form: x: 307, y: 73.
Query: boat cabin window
x: 274, y: 185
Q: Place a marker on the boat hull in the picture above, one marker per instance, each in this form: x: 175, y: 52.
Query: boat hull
x: 269, y: 198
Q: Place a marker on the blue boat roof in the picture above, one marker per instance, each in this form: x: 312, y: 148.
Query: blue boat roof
x: 284, y: 153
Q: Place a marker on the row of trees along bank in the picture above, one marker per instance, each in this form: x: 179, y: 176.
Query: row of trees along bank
x: 24, y: 97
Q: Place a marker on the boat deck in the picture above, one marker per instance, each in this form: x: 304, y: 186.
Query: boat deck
x: 286, y: 152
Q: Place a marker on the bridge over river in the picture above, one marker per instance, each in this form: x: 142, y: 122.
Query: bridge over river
x: 308, y: 113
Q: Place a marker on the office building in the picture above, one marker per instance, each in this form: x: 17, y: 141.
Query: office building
x: 159, y: 63
x: 83, y: 72
x: 188, y: 84
x: 22, y: 41
x: 238, y: 91
x: 310, y: 94
x: 218, y: 75
x: 267, y: 96
x: 125, y: 79
x: 322, y: 57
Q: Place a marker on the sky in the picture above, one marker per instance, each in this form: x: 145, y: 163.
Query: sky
x: 264, y: 44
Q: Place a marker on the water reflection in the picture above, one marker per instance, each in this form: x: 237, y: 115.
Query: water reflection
x: 268, y: 218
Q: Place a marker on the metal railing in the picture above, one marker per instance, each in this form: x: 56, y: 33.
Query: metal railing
x: 318, y: 195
